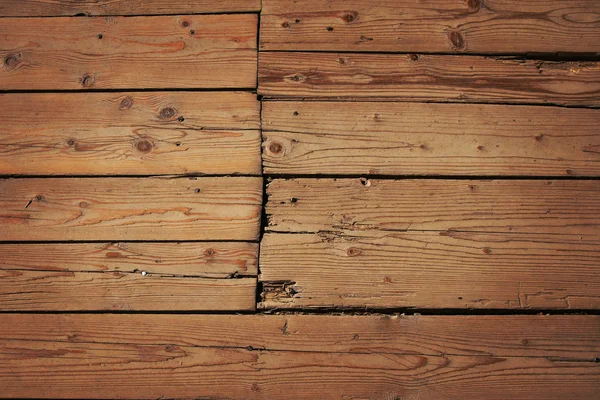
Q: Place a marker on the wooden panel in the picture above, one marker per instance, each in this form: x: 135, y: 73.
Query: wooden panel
x: 431, y: 270
x: 130, y: 209
x: 429, y: 77
x: 48, y: 8
x: 438, y: 26
x: 211, y: 51
x: 509, y: 206
x: 205, y: 260
x: 130, y: 133
x: 429, y: 139
x: 83, y: 356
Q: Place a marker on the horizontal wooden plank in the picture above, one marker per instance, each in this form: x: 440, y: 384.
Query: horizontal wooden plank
x: 504, y: 206
x: 197, y: 51
x: 429, y: 139
x: 130, y: 133
x: 437, y: 26
x: 50, y: 8
x: 118, y: 291
x: 429, y: 77
x: 205, y: 260
x: 105, y: 356
x: 430, y: 270
x: 107, y: 209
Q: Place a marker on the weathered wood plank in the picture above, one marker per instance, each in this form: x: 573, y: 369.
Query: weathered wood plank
x: 51, y: 8
x: 205, y: 260
x: 430, y: 270
x: 429, y: 139
x: 64, y: 357
x: 109, y: 209
x: 429, y: 77
x: 110, y: 291
x: 573, y: 337
x: 503, y: 206
x: 438, y: 26
x: 206, y: 51
x: 130, y: 133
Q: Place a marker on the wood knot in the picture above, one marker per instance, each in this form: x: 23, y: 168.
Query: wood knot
x: 126, y: 103
x: 87, y: 80
x: 387, y: 279
x: 413, y: 57
x: 185, y: 23
x: 144, y: 146
x: 353, y: 252
x: 296, y: 78
x: 457, y: 40
x: 349, y: 17
x: 539, y: 138
x: 474, y: 5
x: 329, y: 29
x: 342, y: 61
x: 71, y: 142
x: 12, y: 61
x: 209, y: 252
x: 167, y: 113
x: 487, y: 250
x: 275, y: 148
x: 40, y: 197
x: 524, y: 342
x: 285, y: 24
x: 83, y: 204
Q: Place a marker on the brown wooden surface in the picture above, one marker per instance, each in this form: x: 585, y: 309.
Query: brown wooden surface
x: 430, y: 270
x: 129, y: 356
x: 438, y: 26
x: 48, y: 8
x: 130, y: 133
x: 206, y: 51
x: 65, y: 209
x: 504, y: 206
x: 335, y: 138
x: 428, y: 77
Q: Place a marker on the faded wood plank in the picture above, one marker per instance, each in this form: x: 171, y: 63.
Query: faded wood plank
x: 205, y: 260
x: 130, y: 133
x: 133, y: 368
x: 428, y: 77
x: 50, y: 8
x: 574, y: 337
x: 107, y: 209
x: 429, y: 139
x: 430, y: 270
x: 197, y: 51
x: 503, y: 206
x: 118, y: 291
x: 438, y: 26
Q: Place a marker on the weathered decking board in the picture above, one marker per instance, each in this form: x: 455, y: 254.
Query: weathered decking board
x: 329, y: 357
x: 144, y: 133
x: 194, y: 51
x: 108, y: 209
x: 428, y: 78
x: 438, y: 26
x: 384, y: 138
x: 51, y: 8
x: 503, y: 206
x: 430, y: 270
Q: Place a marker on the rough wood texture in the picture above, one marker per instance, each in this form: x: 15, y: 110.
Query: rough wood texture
x: 130, y: 133
x: 504, y: 206
x: 246, y: 357
x: 49, y: 8
x: 210, y: 51
x: 438, y: 26
x: 107, y: 209
x: 429, y: 77
x: 429, y: 139
x: 205, y: 260
x: 430, y: 270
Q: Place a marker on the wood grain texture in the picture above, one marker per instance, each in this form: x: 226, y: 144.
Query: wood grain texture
x: 130, y: 133
x: 430, y: 270
x: 107, y: 209
x: 503, y: 206
x: 51, y: 8
x: 210, y: 51
x: 205, y: 260
x: 438, y: 26
x: 428, y: 77
x: 80, y: 356
x: 382, y: 138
